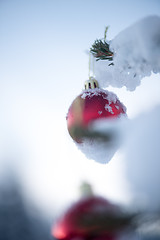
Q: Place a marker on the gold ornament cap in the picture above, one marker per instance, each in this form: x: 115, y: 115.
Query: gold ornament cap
x: 91, y: 84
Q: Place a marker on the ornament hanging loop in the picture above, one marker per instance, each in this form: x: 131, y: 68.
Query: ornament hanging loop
x: 92, y: 82
x: 91, y: 62
x: 105, y: 33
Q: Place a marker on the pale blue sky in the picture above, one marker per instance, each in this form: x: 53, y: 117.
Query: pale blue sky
x: 45, y: 39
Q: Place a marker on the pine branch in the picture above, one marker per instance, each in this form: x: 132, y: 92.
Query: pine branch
x: 80, y: 133
x: 100, y: 50
x: 107, y: 222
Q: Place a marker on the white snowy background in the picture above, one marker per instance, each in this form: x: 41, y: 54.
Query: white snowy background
x: 44, y: 65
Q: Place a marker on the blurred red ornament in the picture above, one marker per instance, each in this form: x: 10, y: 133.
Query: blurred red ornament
x: 80, y: 220
x: 91, y: 218
x: 92, y: 104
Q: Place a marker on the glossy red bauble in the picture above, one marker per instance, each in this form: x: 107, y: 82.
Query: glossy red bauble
x: 91, y: 105
x: 85, y: 220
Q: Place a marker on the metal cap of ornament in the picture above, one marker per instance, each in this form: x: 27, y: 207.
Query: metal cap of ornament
x: 91, y: 83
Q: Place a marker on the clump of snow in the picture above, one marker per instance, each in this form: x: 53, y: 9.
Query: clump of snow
x: 136, y: 55
x: 139, y: 140
x: 99, y: 150
x: 142, y: 159
x: 109, y: 108
x: 108, y: 95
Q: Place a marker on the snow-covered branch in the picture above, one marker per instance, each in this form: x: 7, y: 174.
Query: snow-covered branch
x: 136, y: 55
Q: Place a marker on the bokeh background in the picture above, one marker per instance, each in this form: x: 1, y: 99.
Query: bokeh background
x: 44, y: 63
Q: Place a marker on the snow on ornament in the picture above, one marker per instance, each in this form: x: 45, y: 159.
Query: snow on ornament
x: 92, y: 105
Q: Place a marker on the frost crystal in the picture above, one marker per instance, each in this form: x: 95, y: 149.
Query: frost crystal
x: 99, y: 112
x: 109, y: 108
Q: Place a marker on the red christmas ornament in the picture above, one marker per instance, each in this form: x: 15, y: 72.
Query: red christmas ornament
x: 91, y: 218
x: 92, y: 104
